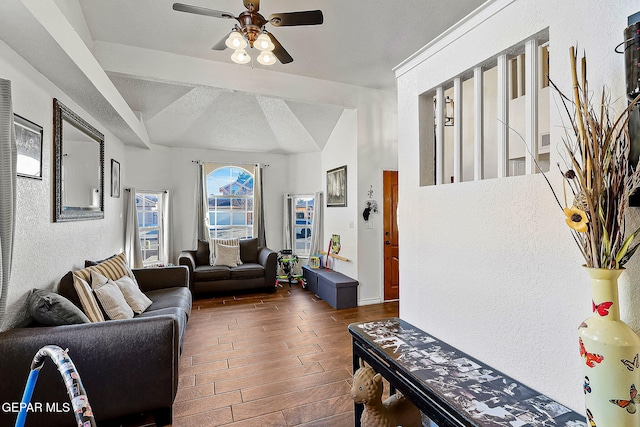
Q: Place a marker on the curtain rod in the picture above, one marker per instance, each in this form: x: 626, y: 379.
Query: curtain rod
x: 147, y: 191
x: 227, y: 163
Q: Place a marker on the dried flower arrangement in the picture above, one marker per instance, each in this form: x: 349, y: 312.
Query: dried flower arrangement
x: 599, y: 175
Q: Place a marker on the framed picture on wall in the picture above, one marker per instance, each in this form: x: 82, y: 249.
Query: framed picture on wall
x: 337, y: 187
x: 29, y: 147
x: 115, y: 178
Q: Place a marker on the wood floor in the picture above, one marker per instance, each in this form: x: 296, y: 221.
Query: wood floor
x: 280, y: 359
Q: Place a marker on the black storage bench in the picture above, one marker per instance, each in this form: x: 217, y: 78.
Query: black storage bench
x: 335, y: 288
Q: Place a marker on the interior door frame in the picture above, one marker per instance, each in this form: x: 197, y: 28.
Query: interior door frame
x: 382, y: 236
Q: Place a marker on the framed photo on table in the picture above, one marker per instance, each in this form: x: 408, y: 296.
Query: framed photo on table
x: 29, y: 147
x: 115, y: 178
x: 337, y: 187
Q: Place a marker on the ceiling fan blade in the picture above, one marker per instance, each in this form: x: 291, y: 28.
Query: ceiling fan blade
x: 252, y: 5
x: 180, y: 7
x: 279, y: 51
x: 309, y: 17
x: 222, y: 44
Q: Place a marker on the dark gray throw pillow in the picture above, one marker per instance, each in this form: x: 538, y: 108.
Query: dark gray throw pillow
x: 249, y: 250
x: 51, y: 309
x: 202, y: 253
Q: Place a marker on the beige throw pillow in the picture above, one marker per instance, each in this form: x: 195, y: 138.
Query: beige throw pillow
x: 227, y: 255
x: 138, y: 301
x: 213, y: 248
x: 112, y: 300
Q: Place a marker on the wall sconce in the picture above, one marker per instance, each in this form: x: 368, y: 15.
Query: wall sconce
x: 448, y: 110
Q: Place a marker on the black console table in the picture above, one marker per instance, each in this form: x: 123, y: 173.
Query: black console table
x: 449, y: 386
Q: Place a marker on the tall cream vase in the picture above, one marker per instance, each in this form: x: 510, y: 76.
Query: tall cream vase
x: 609, y: 351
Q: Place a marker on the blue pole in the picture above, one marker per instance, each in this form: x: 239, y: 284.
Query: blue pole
x: 26, y: 397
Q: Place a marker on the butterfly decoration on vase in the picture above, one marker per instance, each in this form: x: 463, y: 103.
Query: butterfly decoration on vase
x: 630, y: 404
x: 590, y: 418
x: 591, y: 359
x: 587, y: 387
x: 602, y: 308
x: 631, y: 364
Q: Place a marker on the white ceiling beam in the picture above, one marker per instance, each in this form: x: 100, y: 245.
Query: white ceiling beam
x: 63, y: 33
x: 170, y: 67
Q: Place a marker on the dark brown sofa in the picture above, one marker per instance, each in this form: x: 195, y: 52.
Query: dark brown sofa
x: 257, y: 271
x: 126, y: 366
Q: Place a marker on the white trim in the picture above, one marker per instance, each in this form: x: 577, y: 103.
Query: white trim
x: 478, y: 124
x: 466, y: 24
x: 503, y: 116
x: 531, y: 105
x: 370, y: 301
x: 440, y: 108
x: 458, y: 120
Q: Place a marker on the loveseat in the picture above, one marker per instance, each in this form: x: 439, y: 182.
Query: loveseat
x: 126, y: 366
x: 257, y: 271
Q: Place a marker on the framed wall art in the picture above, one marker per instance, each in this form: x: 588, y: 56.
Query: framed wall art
x: 29, y: 147
x: 115, y: 178
x: 337, y: 187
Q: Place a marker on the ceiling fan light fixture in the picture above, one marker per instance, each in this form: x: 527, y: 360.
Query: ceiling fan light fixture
x: 236, y: 41
x: 266, y: 57
x: 240, y: 56
x: 264, y: 43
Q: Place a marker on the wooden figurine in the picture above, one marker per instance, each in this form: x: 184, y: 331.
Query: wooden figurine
x: 395, y: 411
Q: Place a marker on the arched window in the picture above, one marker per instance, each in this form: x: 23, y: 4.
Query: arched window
x: 230, y: 199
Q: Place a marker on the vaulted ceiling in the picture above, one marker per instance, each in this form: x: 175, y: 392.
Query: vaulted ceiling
x: 179, y: 92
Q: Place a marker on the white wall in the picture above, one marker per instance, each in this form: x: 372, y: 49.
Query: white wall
x: 341, y: 150
x: 377, y: 152
x: 490, y: 266
x: 43, y: 250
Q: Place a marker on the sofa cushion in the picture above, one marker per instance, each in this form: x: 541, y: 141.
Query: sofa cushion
x: 249, y: 250
x: 111, y: 299
x: 51, y: 309
x: 87, y: 299
x: 227, y: 255
x: 114, y: 268
x: 205, y: 273
x: 213, y: 248
x: 138, y: 301
x: 247, y: 271
x: 89, y: 263
x: 170, y: 297
x: 202, y: 253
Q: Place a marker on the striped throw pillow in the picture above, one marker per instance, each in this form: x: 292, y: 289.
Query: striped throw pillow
x: 87, y: 299
x: 113, y: 268
x: 213, y: 248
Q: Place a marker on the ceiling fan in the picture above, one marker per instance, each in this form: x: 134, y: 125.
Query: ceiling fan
x: 251, y: 30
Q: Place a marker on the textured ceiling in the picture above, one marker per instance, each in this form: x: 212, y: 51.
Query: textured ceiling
x: 187, y: 95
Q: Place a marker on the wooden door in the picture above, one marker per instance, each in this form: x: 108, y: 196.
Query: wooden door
x: 391, y: 261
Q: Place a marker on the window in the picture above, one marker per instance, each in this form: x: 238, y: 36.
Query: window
x: 230, y: 200
x: 149, y: 206
x: 303, y: 225
x: 501, y: 118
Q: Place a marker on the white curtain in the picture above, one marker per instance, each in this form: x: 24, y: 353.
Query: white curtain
x: 288, y: 222
x: 132, y: 248
x: 258, y: 206
x: 8, y: 161
x: 317, y: 232
x: 167, y: 235
x: 201, y: 218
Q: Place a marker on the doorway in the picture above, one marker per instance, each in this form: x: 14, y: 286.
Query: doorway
x: 391, y: 259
